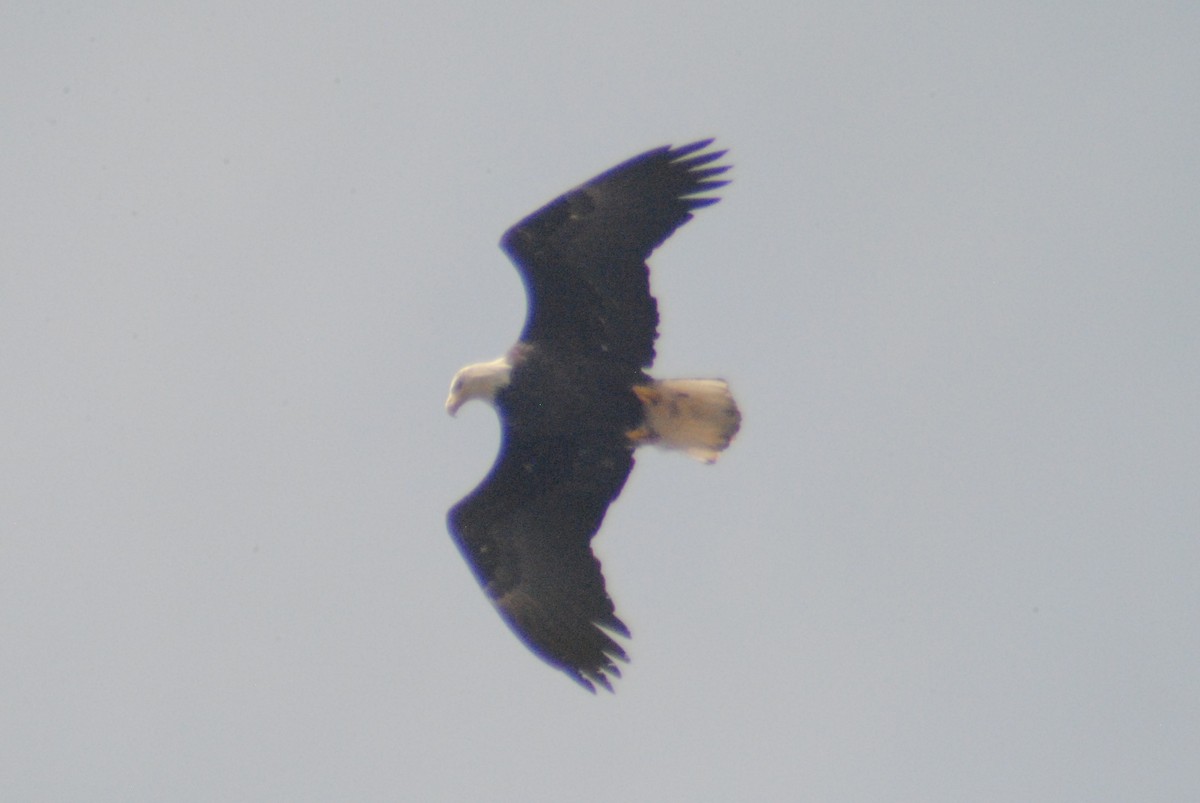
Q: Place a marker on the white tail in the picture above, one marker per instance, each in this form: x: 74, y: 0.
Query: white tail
x: 698, y: 416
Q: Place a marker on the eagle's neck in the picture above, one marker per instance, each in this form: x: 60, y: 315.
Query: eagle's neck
x: 479, y: 381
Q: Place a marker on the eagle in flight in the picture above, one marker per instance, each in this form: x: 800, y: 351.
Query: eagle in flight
x: 575, y: 402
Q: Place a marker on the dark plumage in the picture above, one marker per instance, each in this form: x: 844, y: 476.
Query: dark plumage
x: 565, y: 393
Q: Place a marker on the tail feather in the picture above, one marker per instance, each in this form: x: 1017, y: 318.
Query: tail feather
x: 697, y: 416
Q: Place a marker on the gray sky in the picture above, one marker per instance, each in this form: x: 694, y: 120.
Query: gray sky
x: 953, y: 555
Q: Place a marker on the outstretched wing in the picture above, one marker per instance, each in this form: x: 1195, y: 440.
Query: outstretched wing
x: 528, y: 542
x: 583, y: 256
x: 526, y: 530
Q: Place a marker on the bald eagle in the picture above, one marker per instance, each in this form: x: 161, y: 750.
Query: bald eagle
x: 575, y: 402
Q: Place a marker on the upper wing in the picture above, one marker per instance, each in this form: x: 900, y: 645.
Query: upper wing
x: 526, y: 533
x: 583, y: 256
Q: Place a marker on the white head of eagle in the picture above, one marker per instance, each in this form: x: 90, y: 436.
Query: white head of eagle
x: 575, y: 402
x: 478, y: 381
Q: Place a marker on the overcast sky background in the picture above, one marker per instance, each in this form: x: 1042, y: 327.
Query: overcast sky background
x: 953, y: 555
